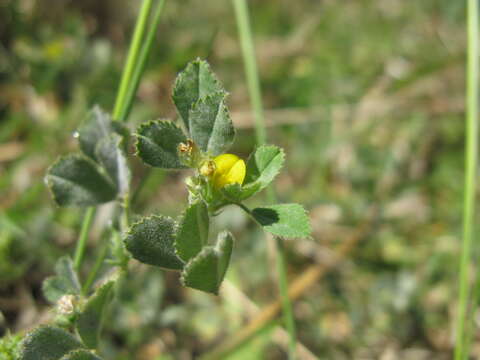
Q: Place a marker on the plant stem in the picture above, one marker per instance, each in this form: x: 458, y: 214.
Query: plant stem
x: 132, y: 57
x: 96, y: 267
x: 141, y: 62
x: 82, y: 239
x: 248, y: 51
x: 471, y: 148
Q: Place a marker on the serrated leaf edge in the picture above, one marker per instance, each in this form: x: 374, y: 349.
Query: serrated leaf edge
x: 224, y: 109
x: 305, y: 212
x: 200, y: 256
x: 31, y: 333
x: 137, y: 136
x: 78, y: 351
x: 180, y: 76
x: 145, y: 218
x: 281, y: 154
x: 101, y: 171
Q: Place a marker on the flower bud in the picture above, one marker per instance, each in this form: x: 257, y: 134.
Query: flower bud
x: 207, y: 168
x: 188, y: 152
x: 66, y: 304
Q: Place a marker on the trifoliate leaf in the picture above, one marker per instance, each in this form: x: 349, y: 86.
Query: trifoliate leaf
x: 111, y: 156
x: 285, y: 220
x: 76, y: 180
x: 97, y: 125
x: 192, y: 84
x: 210, y: 124
x: 151, y: 241
x: 89, y: 321
x: 206, y: 270
x: 192, y: 231
x: 65, y: 282
x: 158, y: 142
x: 80, y: 355
x: 48, y: 343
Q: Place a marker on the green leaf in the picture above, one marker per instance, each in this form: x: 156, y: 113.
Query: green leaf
x: 151, y: 241
x: 10, y: 345
x: 192, y: 231
x: 97, y: 125
x: 210, y: 124
x: 48, y: 343
x: 157, y: 143
x: 206, y: 270
x: 76, y: 180
x: 236, y: 192
x: 286, y: 220
x: 263, y: 165
x: 65, y: 282
x: 81, y: 355
x: 192, y: 84
x: 89, y: 321
x: 111, y: 156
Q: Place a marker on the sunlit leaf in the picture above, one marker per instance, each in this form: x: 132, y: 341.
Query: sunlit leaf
x: 192, y: 84
x: 285, y: 220
x: 210, y: 124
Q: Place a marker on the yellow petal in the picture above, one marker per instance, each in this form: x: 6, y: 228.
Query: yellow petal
x: 230, y: 169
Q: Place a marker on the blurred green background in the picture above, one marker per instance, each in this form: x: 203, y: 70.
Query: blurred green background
x: 365, y: 96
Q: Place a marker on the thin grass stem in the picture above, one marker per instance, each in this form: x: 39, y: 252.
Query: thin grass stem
x: 248, y: 51
x: 126, y: 93
x: 132, y: 57
x: 142, y: 62
x: 251, y: 72
x: 471, y: 148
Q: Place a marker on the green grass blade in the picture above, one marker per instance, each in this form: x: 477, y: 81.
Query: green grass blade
x: 141, y: 63
x: 248, y: 50
x: 471, y: 148
x: 132, y: 58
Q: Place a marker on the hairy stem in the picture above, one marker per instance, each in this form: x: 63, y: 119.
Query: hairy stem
x: 95, y: 269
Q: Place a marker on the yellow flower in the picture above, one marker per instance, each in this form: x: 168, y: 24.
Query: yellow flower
x: 230, y: 169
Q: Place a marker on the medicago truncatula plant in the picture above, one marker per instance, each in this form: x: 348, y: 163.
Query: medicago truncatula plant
x: 100, y: 174
x: 219, y: 179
